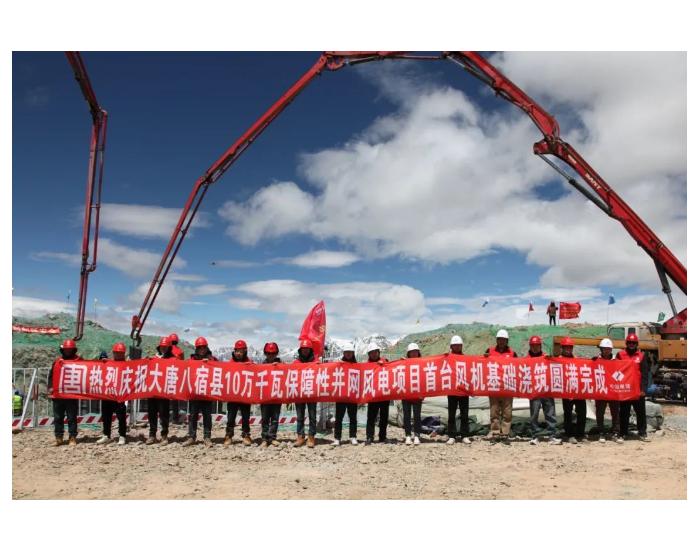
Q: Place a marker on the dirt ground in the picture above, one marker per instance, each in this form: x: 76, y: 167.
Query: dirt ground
x: 433, y: 470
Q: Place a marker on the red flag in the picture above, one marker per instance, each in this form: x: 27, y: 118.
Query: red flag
x: 569, y: 310
x: 531, y: 308
x: 314, y: 328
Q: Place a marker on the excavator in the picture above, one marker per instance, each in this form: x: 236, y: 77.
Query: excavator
x: 594, y: 187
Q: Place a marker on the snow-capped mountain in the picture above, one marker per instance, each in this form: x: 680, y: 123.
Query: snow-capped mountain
x: 334, y: 349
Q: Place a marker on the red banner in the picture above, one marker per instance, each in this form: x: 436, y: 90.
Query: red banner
x: 36, y: 330
x: 314, y: 328
x: 569, y: 310
x: 347, y: 382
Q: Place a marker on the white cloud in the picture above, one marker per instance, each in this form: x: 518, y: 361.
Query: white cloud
x: 169, y: 300
x: 324, y: 258
x: 71, y: 260
x: 209, y: 290
x: 186, y: 277
x: 441, y: 181
x: 138, y: 220
x: 24, y: 306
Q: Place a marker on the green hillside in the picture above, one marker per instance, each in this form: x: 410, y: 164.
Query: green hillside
x: 39, y: 350
x: 478, y: 337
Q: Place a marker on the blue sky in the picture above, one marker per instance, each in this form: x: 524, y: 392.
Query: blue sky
x: 393, y: 190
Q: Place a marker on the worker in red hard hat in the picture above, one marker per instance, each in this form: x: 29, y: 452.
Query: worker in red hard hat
x: 574, y: 433
x: 270, y: 412
x: 305, y: 355
x: 238, y: 355
x: 545, y: 404
x: 197, y: 406
x: 158, y: 406
x: 174, y: 403
x: 632, y: 353
x: 110, y: 407
x: 64, y: 408
x: 501, y: 407
x: 606, y: 354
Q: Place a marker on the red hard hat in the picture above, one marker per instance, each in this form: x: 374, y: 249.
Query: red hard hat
x: 174, y: 338
x: 69, y: 344
x: 201, y: 341
x: 632, y: 338
x: 271, y: 348
x: 567, y: 341
x: 535, y: 340
x: 165, y: 341
x: 240, y: 344
x: 305, y: 344
x: 119, y: 347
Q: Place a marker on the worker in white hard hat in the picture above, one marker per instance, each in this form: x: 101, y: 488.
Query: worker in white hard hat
x: 606, y: 354
x: 412, y: 352
x: 457, y: 401
x: 380, y: 408
x: 341, y: 408
x: 501, y: 407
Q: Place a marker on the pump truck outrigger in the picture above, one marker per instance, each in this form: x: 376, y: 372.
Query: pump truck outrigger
x: 597, y: 190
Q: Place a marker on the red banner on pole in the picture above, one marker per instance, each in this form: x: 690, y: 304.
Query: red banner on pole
x: 314, y: 328
x: 36, y: 330
x: 347, y: 382
x: 569, y: 310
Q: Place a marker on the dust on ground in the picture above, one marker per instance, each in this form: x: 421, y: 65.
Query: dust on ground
x: 432, y: 470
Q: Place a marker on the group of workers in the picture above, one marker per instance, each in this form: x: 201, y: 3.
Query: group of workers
x: 501, y: 408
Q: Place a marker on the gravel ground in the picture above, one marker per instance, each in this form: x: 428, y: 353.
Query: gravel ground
x: 433, y: 470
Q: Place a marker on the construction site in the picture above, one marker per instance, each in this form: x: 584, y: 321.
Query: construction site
x: 515, y: 466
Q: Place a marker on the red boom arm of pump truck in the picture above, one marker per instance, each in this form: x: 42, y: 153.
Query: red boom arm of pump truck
x: 596, y: 189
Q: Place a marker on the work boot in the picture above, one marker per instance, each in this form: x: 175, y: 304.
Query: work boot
x: 265, y: 444
x: 190, y: 441
x: 300, y: 441
x: 151, y: 440
x: 207, y: 442
x: 57, y: 442
x: 275, y: 443
x: 164, y: 440
x: 247, y: 441
x: 72, y: 442
x: 228, y: 441
x: 311, y: 442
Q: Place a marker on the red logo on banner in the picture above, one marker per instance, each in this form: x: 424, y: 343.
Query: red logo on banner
x: 569, y: 310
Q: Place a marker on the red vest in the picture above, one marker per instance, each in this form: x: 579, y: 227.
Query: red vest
x: 178, y: 353
x: 508, y: 353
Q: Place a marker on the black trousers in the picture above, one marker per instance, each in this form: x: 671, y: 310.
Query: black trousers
x: 62, y: 409
x: 640, y: 409
x: 340, y: 409
x: 579, y: 430
x: 158, y: 407
x: 197, y: 407
x: 232, y: 409
x: 380, y: 408
x: 553, y: 320
x: 270, y: 421
x: 454, y: 402
x: 416, y: 407
x: 301, y: 409
x: 108, y: 409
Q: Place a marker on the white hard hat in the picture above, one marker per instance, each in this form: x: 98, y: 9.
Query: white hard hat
x: 373, y: 347
x: 605, y: 343
x: 456, y: 340
x: 503, y: 333
x: 412, y: 347
x: 348, y: 347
